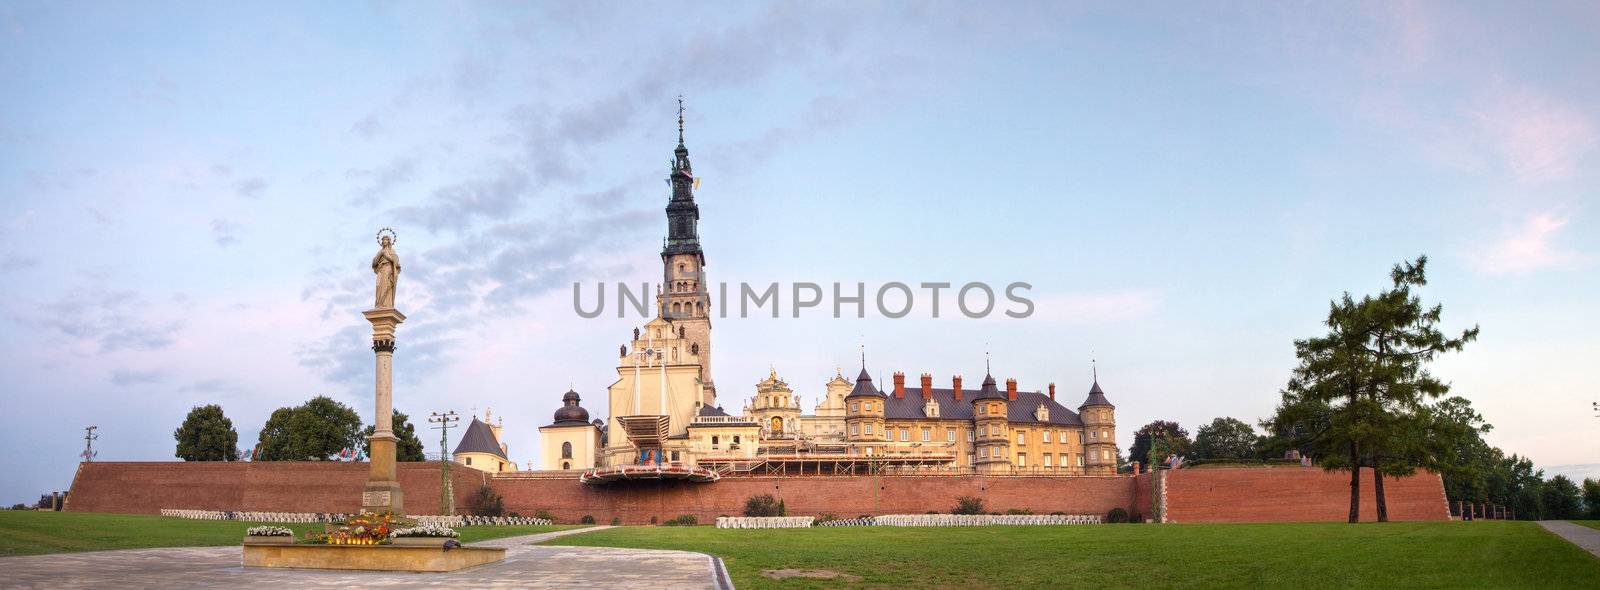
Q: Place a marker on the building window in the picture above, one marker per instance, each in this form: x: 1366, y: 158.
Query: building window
x: 927, y: 434
x: 1047, y: 460
x: 566, y: 450
x: 855, y: 429
x: 1105, y: 455
x: 1080, y: 459
x: 869, y: 428
x: 970, y: 459
x: 674, y: 456
x: 1062, y: 437
x: 1080, y: 437
x: 994, y: 430
x: 950, y: 435
x: 905, y: 435
x: 855, y: 406
x: 983, y: 409
x: 969, y: 436
x: 735, y: 439
x: 714, y: 441
x: 566, y: 466
x: 469, y: 460
x: 1093, y: 434
x: 1105, y: 434
x: 869, y: 451
x: 1045, y: 434
x: 1022, y: 459
x: 984, y: 453
x: 1022, y: 437
x: 502, y: 466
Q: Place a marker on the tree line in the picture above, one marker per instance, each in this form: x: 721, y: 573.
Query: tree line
x: 1362, y: 396
x: 318, y: 430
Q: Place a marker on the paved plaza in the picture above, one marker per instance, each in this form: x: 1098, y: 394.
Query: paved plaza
x: 526, y: 566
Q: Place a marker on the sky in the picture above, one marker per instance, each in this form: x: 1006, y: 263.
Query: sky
x: 189, y: 194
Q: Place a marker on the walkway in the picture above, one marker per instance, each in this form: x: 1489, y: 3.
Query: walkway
x: 526, y: 566
x: 1584, y: 537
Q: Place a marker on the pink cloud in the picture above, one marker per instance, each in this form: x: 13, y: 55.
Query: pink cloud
x: 1528, y: 248
x: 1540, y: 139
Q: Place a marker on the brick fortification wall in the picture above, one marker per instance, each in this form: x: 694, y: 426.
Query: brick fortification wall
x: 1192, y: 495
x: 846, y: 497
x: 1280, y: 494
x: 311, y: 486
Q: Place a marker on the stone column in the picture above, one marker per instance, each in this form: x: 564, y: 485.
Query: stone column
x: 382, y: 493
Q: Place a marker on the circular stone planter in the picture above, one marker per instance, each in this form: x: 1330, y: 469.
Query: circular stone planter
x: 268, y: 540
x: 419, y: 541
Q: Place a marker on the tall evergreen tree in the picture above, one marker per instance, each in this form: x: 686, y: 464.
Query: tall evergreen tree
x: 1358, y: 396
x: 409, y: 448
x: 207, y: 435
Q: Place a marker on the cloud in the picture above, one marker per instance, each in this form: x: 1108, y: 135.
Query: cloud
x: 251, y: 188
x: 11, y: 262
x: 107, y: 321
x: 131, y: 378
x: 368, y: 127
x: 1528, y: 248
x: 383, y: 179
x: 222, y: 231
x: 1539, y: 139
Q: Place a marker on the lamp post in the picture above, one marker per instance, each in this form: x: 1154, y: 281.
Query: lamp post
x: 447, y: 495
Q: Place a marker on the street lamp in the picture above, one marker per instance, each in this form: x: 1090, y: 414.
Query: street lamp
x: 447, y: 495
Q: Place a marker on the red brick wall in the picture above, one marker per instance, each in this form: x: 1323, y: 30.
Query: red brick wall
x: 813, y: 495
x: 1193, y: 495
x: 1279, y: 494
x: 147, y: 487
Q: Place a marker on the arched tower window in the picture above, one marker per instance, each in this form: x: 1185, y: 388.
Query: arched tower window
x: 566, y: 450
x: 694, y: 349
x: 680, y: 331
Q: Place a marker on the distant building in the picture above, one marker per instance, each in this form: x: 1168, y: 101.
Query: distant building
x: 480, y: 446
x: 662, y: 409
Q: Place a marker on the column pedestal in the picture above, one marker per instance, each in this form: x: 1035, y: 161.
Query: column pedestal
x: 382, y: 492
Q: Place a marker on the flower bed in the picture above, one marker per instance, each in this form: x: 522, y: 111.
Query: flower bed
x: 426, y: 531
x: 269, y: 531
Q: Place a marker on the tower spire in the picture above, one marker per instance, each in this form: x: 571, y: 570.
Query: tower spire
x: 680, y: 120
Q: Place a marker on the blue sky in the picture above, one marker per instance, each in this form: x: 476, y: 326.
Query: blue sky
x: 188, y: 194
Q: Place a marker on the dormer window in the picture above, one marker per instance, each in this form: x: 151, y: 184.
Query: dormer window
x: 1042, y: 414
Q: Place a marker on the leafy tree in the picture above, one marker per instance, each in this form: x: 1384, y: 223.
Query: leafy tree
x: 1591, y: 498
x: 1224, y: 438
x: 1177, y: 441
x: 1560, y: 498
x: 409, y: 448
x: 314, y: 431
x: 486, y: 502
x: 207, y: 435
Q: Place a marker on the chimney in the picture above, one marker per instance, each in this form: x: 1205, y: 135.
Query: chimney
x: 927, y: 386
x: 955, y: 382
x: 1052, y: 392
x: 899, y: 385
x: 1011, y: 389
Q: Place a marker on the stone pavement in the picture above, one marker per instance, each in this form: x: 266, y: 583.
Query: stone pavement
x: 1584, y: 537
x: 525, y: 566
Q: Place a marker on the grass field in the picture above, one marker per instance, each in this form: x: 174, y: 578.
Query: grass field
x: 26, y: 532
x: 1593, y: 524
x: 1485, y: 554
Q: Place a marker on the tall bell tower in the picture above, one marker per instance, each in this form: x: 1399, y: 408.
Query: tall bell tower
x: 685, y: 300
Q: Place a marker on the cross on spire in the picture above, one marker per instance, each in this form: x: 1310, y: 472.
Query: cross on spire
x: 680, y: 120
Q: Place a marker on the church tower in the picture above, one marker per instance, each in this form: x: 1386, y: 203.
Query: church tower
x: 685, y: 299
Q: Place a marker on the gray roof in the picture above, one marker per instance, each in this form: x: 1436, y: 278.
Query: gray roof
x: 1096, y: 397
x: 864, y: 386
x: 709, y: 410
x: 1021, y: 410
x: 988, y: 390
x: 479, y: 439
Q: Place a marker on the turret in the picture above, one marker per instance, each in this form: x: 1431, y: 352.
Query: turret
x: 1099, y: 432
x: 864, y: 411
x: 990, y: 416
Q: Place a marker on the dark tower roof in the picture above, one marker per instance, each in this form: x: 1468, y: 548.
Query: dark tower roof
x: 864, y: 386
x: 988, y: 390
x: 1096, y: 397
x: 479, y: 438
x: 570, y: 413
x: 683, y: 215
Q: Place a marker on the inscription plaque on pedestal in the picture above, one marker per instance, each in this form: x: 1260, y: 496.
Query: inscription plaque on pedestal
x: 378, y: 498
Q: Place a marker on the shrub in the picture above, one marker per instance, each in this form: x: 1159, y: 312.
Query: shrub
x: 19, y: 506
x: 1117, y: 515
x: 762, y: 505
x: 968, y: 505
x: 1136, y: 518
x: 1019, y: 511
x: 931, y: 512
x: 826, y: 517
x: 486, y: 502
x: 652, y: 520
x: 616, y: 521
x: 1058, y: 513
x: 781, y: 510
x: 545, y: 514
x: 587, y: 519
x: 513, y: 514
x: 684, y: 520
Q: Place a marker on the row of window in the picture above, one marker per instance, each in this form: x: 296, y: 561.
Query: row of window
x: 994, y: 430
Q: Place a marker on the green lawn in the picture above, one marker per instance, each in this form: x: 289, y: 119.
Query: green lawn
x: 1480, y: 554
x: 1593, y: 524
x: 26, y: 532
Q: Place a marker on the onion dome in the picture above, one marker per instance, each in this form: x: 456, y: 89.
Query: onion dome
x: 570, y: 412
